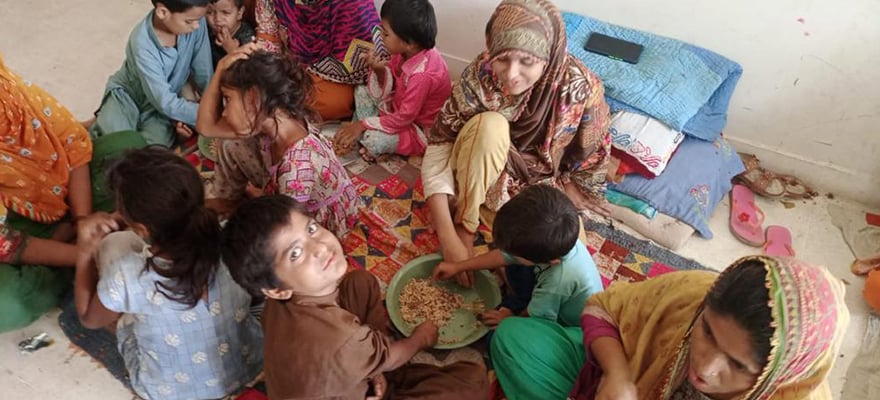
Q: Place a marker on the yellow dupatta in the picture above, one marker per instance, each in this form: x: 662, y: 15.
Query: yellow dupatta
x: 654, y: 319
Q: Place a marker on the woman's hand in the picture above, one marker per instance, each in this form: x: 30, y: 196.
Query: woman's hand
x: 445, y: 270
x: 616, y: 387
x: 584, y: 202
x: 376, y: 63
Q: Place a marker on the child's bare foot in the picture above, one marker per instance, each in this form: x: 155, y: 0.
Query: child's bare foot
x: 864, y: 266
x: 252, y: 192
x: 366, y: 155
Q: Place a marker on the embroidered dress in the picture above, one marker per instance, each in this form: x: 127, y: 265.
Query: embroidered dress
x: 310, y: 173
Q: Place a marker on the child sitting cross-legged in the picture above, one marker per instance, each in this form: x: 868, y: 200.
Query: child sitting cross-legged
x: 326, y: 332
x: 182, y: 323
x: 166, y: 49
x: 403, y: 95
x: 548, y: 269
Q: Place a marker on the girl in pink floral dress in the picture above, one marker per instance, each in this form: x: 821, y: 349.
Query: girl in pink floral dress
x: 259, y: 102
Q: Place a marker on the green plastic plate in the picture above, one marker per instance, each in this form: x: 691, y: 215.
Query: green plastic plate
x: 463, y: 329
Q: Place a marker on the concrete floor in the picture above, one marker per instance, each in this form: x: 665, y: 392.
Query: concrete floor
x: 70, y: 47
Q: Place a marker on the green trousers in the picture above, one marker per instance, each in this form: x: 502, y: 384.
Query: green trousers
x: 537, y: 359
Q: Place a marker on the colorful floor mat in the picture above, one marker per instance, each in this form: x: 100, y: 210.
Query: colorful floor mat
x: 393, y: 229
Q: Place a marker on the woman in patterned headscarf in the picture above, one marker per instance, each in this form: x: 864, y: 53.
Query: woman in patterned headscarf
x: 765, y: 329
x: 524, y: 112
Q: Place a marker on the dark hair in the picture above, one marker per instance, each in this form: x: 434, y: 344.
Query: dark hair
x: 247, y: 241
x: 177, y: 6
x: 238, y: 3
x: 281, y: 81
x: 741, y: 293
x: 411, y: 20
x: 162, y: 191
x: 539, y: 224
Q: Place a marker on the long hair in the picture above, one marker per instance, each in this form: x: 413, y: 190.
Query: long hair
x: 162, y: 191
x: 281, y: 82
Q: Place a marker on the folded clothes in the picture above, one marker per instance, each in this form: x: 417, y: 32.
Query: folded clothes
x: 637, y: 205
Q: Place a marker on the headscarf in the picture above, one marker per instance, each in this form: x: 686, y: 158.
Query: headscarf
x: 558, y: 124
x: 655, y: 320
x: 40, y: 143
x: 330, y: 35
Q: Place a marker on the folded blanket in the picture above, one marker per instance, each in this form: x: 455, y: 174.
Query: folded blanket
x: 684, y: 86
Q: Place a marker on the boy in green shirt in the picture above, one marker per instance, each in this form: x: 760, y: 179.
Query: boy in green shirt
x: 550, y: 271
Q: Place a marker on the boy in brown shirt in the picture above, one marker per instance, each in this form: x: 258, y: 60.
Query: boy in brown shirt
x: 326, y: 334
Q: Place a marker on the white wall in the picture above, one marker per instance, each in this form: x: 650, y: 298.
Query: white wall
x: 809, y: 99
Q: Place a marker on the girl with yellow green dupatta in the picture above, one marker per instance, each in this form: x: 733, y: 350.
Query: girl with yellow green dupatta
x: 51, y: 176
x: 765, y: 329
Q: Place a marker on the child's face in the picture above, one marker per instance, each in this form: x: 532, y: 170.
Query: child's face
x: 239, y: 111
x: 224, y: 14
x: 183, y: 22
x: 393, y: 43
x: 308, y: 258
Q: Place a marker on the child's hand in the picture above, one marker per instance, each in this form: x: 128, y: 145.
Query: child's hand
x: 427, y: 333
x: 492, y: 318
x: 225, y: 40
x: 615, y: 387
x: 375, y: 62
x: 349, y: 134
x: 444, y: 271
x: 90, y: 230
x: 183, y: 131
x: 241, y: 53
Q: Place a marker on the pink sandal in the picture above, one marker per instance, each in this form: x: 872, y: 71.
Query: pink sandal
x: 745, y: 216
x: 778, y: 242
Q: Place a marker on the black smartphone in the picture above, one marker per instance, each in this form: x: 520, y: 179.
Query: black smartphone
x: 613, y: 47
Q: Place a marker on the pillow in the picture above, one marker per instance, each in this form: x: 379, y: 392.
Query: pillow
x: 648, y: 141
x: 693, y: 184
x: 662, y: 229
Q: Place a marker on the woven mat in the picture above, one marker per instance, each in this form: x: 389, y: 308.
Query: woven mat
x: 392, y: 230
